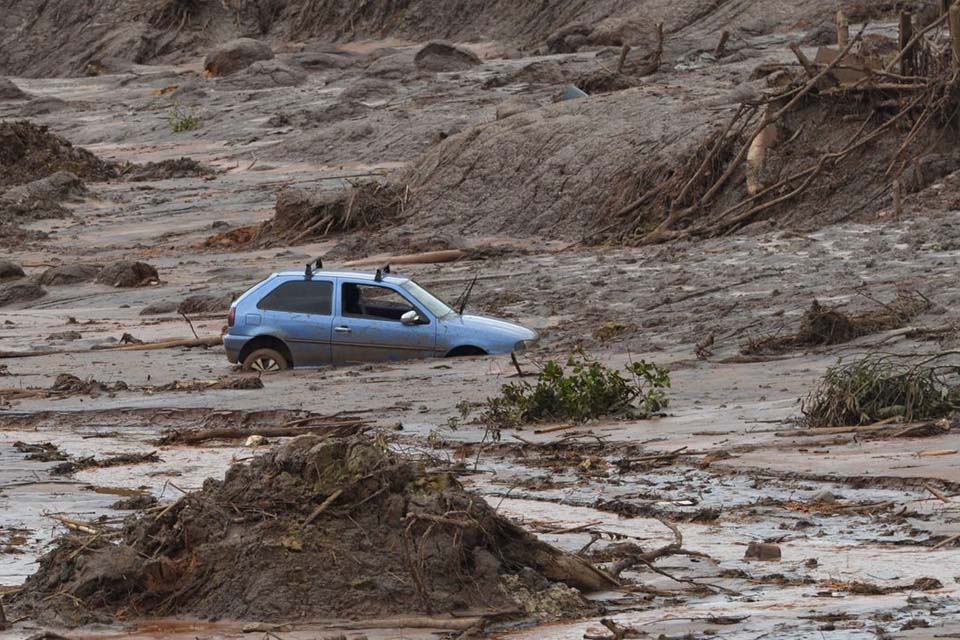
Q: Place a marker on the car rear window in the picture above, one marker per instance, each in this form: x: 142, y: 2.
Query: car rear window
x: 301, y: 296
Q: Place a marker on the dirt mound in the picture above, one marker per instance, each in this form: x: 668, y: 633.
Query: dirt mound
x: 70, y: 274
x: 29, y: 152
x: 10, y: 91
x: 168, y: 170
x: 442, y: 56
x: 14, y: 293
x: 128, y: 274
x: 343, y: 109
x: 318, y: 528
x: 367, y: 89
x: 10, y: 270
x: 235, y: 55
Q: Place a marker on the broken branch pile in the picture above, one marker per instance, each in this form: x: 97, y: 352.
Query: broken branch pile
x: 318, y: 528
x: 878, y: 387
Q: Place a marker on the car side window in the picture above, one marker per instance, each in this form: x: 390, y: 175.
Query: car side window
x: 373, y: 302
x: 300, y: 296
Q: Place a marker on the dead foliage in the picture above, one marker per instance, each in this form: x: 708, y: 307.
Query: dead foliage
x: 880, y: 386
x: 823, y: 325
x: 318, y: 528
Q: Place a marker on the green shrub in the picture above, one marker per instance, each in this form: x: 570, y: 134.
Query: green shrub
x: 181, y: 119
x: 589, y: 390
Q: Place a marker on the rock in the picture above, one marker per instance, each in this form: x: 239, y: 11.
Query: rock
x: 823, y: 497
x: 205, y: 304
x: 235, y: 55
x: 69, y: 274
x: 10, y: 91
x: 762, y: 551
x: 442, y: 56
x: 10, y: 270
x: 568, y: 39
x: 159, y: 308
x: 393, y: 67
x: 128, y: 274
x: 267, y: 74
x: 14, y: 293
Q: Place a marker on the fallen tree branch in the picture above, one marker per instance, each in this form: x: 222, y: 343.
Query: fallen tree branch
x: 336, y: 428
x: 210, y: 341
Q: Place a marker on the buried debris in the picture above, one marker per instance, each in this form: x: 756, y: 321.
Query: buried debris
x: 879, y: 387
x: 121, y: 460
x: 321, y: 527
x: 825, y: 325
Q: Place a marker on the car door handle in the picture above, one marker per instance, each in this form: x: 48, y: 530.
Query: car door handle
x: 343, y: 329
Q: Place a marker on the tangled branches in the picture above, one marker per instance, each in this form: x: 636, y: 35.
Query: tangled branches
x: 877, y: 387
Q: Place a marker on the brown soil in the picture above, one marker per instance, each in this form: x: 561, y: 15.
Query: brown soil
x: 128, y: 274
x: 317, y: 528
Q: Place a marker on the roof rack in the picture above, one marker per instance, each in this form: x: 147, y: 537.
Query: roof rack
x: 383, y: 271
x: 308, y: 271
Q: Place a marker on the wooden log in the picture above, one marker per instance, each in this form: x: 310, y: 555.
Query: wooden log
x: 339, y: 427
x: 427, y: 257
x: 906, y: 46
x: 897, y: 199
x: 623, y: 57
x: 722, y: 45
x: 954, y: 20
x: 211, y: 341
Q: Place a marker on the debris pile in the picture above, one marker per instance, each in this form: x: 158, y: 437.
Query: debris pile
x: 302, y: 216
x: 825, y: 325
x: 882, y: 387
x: 29, y: 152
x: 168, y: 170
x: 317, y: 528
x: 235, y: 55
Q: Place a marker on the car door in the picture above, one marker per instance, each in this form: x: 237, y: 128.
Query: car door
x: 367, y: 326
x: 300, y: 312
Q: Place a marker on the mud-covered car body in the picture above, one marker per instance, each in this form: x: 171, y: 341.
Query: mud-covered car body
x: 333, y: 317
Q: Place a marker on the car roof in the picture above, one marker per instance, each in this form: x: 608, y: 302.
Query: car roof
x: 355, y: 275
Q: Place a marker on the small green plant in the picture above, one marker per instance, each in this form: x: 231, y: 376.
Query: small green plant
x: 876, y: 387
x: 181, y: 119
x: 589, y: 390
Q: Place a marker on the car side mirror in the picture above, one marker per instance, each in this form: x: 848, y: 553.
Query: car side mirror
x: 410, y: 317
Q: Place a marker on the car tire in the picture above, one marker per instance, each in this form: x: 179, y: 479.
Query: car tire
x: 265, y: 361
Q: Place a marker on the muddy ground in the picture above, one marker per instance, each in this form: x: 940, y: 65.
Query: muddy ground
x: 865, y: 521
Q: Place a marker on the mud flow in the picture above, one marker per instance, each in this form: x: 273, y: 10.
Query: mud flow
x: 732, y: 225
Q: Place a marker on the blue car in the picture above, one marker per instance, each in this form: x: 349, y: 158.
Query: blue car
x: 315, y: 318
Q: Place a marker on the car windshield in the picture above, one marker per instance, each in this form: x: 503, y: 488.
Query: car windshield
x: 436, y: 306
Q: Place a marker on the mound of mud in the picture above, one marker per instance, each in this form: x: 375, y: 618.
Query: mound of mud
x: 318, y: 528
x: 14, y: 293
x: 69, y: 274
x: 205, y: 304
x: 169, y: 170
x: 265, y: 74
x: 442, y: 56
x: 128, y: 274
x: 343, y: 109
x: 10, y: 270
x: 29, y: 152
x: 10, y: 91
x: 235, y: 55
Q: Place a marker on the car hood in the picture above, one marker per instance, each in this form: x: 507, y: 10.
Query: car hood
x: 492, y: 325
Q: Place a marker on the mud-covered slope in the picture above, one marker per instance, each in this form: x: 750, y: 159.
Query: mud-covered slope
x: 41, y: 38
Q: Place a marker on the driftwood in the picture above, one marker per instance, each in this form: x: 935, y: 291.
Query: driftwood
x: 428, y: 257
x: 210, y: 341
x: 333, y: 428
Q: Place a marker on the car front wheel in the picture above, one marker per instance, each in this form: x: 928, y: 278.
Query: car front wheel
x: 265, y: 361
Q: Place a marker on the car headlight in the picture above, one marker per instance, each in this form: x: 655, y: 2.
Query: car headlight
x: 523, y: 345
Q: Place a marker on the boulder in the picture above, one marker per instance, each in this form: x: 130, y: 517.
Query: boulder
x: 442, y: 56
x: 69, y: 274
x: 235, y: 55
x: 10, y: 270
x: 128, y: 274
